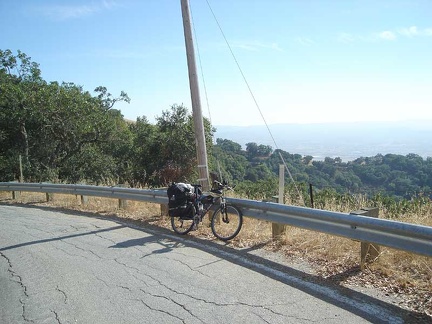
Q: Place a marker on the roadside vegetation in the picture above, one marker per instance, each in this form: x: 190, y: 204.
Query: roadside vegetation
x: 62, y: 133
x: 51, y: 132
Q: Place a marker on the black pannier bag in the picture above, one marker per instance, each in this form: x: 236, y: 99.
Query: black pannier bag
x: 180, y: 200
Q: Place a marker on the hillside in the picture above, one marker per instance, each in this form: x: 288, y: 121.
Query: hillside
x: 345, y: 140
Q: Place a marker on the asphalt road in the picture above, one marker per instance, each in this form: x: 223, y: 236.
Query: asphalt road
x: 67, y: 267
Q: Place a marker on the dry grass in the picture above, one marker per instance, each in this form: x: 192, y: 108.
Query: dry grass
x: 404, y: 275
x: 397, y: 273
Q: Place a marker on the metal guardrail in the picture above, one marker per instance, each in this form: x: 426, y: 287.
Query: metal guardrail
x: 399, y: 235
x: 148, y: 195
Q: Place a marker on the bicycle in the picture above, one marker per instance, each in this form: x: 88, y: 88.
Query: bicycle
x: 226, y: 221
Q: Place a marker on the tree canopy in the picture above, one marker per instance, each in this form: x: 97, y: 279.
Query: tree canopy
x: 64, y: 133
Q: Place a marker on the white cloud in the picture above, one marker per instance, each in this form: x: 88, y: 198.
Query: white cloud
x: 256, y: 46
x: 345, y: 38
x: 65, y: 12
x: 276, y: 47
x: 409, y: 32
x: 387, y: 35
x: 68, y: 12
x: 305, y: 41
x: 428, y: 31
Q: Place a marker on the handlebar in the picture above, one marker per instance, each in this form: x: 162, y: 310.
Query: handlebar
x: 223, y: 185
x: 219, y: 185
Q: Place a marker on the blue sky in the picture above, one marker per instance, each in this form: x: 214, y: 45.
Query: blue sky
x: 305, y: 61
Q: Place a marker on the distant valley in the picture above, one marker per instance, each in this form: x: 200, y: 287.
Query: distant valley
x: 345, y: 140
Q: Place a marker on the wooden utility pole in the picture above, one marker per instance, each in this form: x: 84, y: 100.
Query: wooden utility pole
x: 21, y: 179
x: 195, y: 96
x: 279, y: 229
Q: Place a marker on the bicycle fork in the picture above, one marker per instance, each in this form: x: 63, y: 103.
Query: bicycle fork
x: 197, y: 216
x: 224, y: 213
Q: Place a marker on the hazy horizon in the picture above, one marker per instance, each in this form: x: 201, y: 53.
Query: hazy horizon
x: 345, y: 140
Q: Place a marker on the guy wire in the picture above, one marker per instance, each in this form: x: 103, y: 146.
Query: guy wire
x: 256, y: 103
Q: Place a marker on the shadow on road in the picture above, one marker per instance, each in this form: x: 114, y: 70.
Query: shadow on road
x: 166, y: 246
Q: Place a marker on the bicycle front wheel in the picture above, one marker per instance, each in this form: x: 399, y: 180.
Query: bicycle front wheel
x: 226, y: 222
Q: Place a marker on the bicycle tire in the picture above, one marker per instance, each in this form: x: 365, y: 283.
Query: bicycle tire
x: 226, y: 230
x: 183, y: 225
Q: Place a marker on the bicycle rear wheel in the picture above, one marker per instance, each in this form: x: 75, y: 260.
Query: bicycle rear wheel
x: 226, y: 222
x: 181, y: 226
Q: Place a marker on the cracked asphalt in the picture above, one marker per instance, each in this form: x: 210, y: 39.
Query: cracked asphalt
x: 67, y: 267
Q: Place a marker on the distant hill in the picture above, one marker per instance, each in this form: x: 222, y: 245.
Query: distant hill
x: 345, y: 140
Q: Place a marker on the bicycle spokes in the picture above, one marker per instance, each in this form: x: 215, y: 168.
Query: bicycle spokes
x: 181, y: 226
x: 226, y: 222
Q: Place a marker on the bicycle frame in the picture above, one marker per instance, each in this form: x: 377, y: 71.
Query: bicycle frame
x: 219, y: 199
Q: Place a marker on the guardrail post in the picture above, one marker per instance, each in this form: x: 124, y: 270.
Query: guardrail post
x: 49, y: 195
x: 84, y: 200
x: 368, y: 252
x: 279, y: 229
x: 123, y: 203
x: 16, y: 195
x: 164, y: 210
